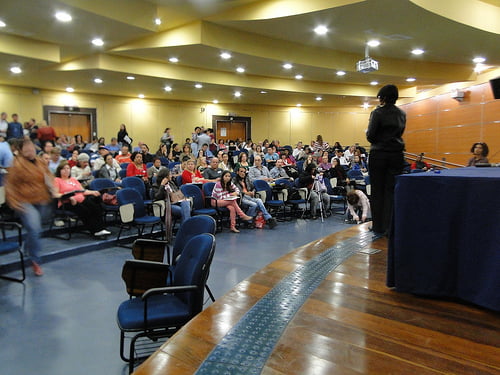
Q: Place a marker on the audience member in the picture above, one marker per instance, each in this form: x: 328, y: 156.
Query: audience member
x: 278, y: 171
x: 45, y: 132
x: 55, y: 159
x: 186, y: 151
x: 167, y: 189
x: 137, y: 168
x: 224, y: 162
x: 358, y: 205
x: 109, y: 170
x: 123, y: 137
x: 226, y: 193
x: 81, y: 171
x: 480, y: 152
x: 124, y: 155
x: 213, y: 172
x: 191, y: 174
x: 155, y: 169
x: 419, y: 163
x: 259, y: 171
x: 87, y: 204
x: 242, y: 161
x: 113, y: 147
x: 15, y: 128
x: 313, y: 181
x: 4, y: 124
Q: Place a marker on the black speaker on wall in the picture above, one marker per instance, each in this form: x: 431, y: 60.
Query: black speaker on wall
x: 495, y: 87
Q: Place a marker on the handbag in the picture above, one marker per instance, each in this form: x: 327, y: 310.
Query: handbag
x: 176, y: 196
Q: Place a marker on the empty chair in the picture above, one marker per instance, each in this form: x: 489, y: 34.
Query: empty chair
x: 272, y: 204
x: 133, y: 212
x: 8, y: 246
x: 137, y: 183
x: 106, y: 185
x: 199, y: 208
x: 155, y: 310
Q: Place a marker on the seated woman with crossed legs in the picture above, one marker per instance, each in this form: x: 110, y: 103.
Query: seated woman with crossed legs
x: 227, y: 194
x: 85, y: 203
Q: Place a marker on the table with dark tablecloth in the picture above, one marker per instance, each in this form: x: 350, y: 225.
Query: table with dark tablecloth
x: 445, y: 240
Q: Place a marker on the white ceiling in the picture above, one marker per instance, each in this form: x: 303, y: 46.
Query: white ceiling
x: 260, y: 35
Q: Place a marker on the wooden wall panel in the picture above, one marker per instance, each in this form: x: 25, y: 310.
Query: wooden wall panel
x: 458, y: 139
x: 469, y: 114
x: 456, y: 125
x: 423, y: 122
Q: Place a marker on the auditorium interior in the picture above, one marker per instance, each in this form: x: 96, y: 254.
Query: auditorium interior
x: 306, y: 297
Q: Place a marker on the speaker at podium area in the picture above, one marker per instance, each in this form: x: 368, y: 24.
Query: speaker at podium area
x: 495, y: 87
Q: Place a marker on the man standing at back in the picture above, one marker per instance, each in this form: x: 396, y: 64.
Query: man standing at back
x: 15, y: 128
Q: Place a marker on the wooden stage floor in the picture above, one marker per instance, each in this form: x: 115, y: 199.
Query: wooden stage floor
x: 351, y: 323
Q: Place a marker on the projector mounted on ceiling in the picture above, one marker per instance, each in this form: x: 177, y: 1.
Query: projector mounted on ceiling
x: 366, y: 65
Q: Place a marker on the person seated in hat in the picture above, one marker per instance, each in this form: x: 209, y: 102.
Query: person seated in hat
x: 81, y: 171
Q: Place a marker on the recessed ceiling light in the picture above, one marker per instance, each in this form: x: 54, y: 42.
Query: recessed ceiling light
x: 16, y: 70
x: 263, y: 92
x: 173, y: 60
x: 2, y: 24
x: 319, y: 98
x: 141, y: 96
x: 373, y: 43
x: 157, y: 21
x: 365, y: 105
x: 225, y: 55
x: 97, y: 80
x: 130, y: 78
x: 97, y: 42
x: 240, y: 69
x: 340, y: 73
x: 299, y: 105
x: 321, y: 30
x: 374, y: 83
x: 478, y: 60
x: 70, y: 89
x: 287, y: 66
x: 299, y: 76
x: 63, y: 17
x: 237, y: 94
x: 198, y: 85
x: 410, y: 79
x: 167, y: 88
x: 215, y: 101
x: 417, y: 51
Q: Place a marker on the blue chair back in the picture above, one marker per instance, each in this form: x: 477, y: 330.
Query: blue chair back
x: 164, y: 161
x: 193, y: 268
x: 355, y: 174
x: 135, y: 183
x: 261, y: 185
x: 191, y: 227
x: 194, y: 192
x: 171, y: 165
x: 101, y: 184
x: 124, y: 165
x: 207, y: 188
x: 178, y: 180
x: 149, y: 164
x: 300, y: 165
x: 123, y: 173
x: 129, y: 195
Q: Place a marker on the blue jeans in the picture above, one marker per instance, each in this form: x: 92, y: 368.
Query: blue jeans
x: 31, y: 217
x: 255, y: 204
x: 182, y: 209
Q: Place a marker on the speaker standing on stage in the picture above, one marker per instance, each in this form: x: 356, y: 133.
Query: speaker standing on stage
x: 385, y: 130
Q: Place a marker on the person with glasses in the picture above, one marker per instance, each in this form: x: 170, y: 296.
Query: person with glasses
x: 248, y: 199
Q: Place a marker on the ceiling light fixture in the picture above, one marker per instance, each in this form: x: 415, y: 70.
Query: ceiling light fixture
x: 215, y: 101
x: 97, y: 42
x: 63, y: 17
x: 16, y: 70
x: 365, y: 105
x: 173, y: 60
x: 237, y: 94
x: 287, y: 66
x: 321, y: 30
x: 130, y: 78
x: 157, y: 21
x: 141, y: 96
x: 410, y: 79
x: 240, y: 69
x: 167, y: 88
x: 374, y: 83
x: 299, y: 105
x: 373, y: 43
x: 98, y: 80
x: 478, y: 60
x: 225, y: 55
x: 198, y: 85
x: 70, y: 89
x: 2, y: 24
x: 417, y: 51
x: 299, y: 76
x: 340, y: 73
x: 263, y: 92
x: 319, y: 98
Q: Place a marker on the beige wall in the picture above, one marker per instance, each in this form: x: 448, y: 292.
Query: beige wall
x: 146, y: 119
